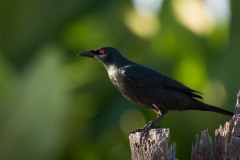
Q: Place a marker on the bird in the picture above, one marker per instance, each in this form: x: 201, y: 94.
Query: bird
x: 147, y: 87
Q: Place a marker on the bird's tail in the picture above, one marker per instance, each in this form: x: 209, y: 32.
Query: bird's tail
x: 205, y: 107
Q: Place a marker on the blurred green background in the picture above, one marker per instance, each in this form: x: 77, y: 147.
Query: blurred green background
x: 55, y: 105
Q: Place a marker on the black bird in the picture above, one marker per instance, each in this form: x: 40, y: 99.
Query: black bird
x: 147, y: 87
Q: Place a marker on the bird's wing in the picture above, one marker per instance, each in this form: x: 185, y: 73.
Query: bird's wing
x: 147, y: 77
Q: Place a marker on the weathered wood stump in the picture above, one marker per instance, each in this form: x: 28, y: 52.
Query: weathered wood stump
x: 227, y: 140
x: 155, y: 145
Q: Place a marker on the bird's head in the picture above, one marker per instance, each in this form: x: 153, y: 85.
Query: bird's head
x: 106, y: 55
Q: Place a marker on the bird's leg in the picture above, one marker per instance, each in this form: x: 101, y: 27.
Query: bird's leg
x: 144, y: 131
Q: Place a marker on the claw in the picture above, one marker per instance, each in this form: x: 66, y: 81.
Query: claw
x: 145, y: 130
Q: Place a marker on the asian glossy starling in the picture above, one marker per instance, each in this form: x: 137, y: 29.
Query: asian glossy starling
x: 147, y: 87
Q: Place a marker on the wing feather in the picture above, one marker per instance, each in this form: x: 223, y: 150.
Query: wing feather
x: 147, y: 77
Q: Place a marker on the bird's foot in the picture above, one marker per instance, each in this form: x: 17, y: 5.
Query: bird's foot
x: 145, y: 130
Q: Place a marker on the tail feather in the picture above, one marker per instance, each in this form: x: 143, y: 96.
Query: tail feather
x: 205, y: 107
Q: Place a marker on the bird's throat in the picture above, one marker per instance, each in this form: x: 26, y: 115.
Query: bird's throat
x: 112, y: 71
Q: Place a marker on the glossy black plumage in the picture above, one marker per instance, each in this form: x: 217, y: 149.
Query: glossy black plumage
x: 147, y: 87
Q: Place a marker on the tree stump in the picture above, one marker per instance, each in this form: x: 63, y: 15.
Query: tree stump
x: 153, y: 147
x: 227, y: 140
x: 203, y: 149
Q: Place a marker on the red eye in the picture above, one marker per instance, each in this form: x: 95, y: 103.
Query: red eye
x: 102, y: 51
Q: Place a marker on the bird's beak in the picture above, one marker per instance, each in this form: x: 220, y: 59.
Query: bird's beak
x: 86, y: 54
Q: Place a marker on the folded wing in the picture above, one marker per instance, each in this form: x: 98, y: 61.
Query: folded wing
x: 147, y: 77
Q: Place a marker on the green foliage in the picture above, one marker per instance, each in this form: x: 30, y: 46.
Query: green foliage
x: 55, y: 105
